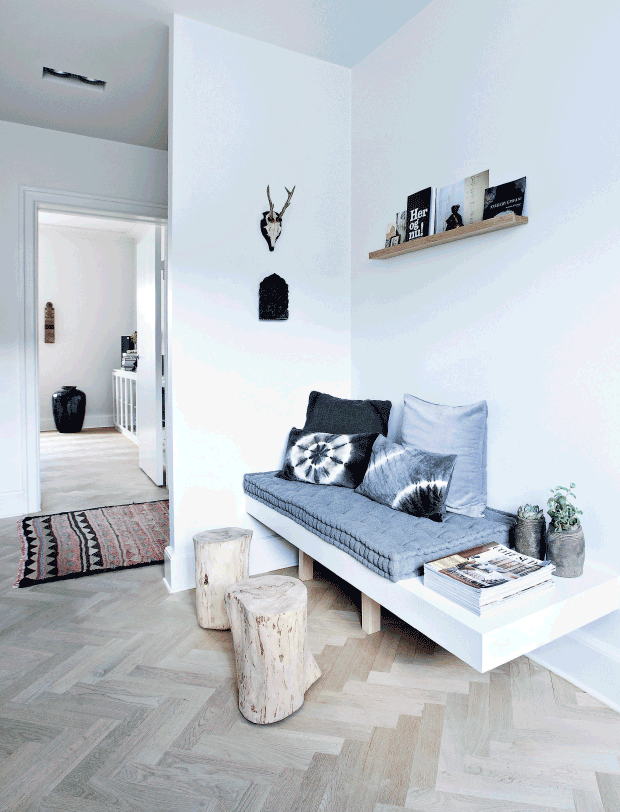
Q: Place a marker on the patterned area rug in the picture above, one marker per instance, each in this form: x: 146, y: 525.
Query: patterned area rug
x: 84, y: 542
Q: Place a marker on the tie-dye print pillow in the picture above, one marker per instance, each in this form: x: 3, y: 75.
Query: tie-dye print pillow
x: 408, y: 480
x: 326, y: 459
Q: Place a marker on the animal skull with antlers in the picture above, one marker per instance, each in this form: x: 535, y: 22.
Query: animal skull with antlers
x: 271, y: 224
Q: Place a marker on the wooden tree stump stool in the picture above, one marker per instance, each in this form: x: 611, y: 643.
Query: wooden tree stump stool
x: 275, y: 667
x: 222, y: 558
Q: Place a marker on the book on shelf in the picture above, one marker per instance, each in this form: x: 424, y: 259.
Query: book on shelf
x: 401, y: 225
x: 483, y: 577
x: 462, y: 203
x: 507, y: 197
x: 420, y: 214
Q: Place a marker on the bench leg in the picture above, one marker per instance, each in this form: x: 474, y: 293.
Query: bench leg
x: 371, y: 615
x: 306, y: 567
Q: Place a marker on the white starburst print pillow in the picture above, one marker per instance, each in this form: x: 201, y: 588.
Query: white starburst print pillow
x: 326, y: 459
x: 409, y: 480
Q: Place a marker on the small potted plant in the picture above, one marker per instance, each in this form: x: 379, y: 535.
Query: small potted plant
x: 565, y: 541
x: 530, y: 531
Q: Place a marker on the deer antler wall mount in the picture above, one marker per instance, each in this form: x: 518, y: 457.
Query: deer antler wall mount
x: 271, y: 224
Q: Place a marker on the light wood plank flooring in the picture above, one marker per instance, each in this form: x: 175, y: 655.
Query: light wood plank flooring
x: 112, y: 698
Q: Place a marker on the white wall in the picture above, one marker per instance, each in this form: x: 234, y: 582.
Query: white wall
x: 526, y: 318
x: 246, y: 114
x: 90, y: 278
x: 70, y: 163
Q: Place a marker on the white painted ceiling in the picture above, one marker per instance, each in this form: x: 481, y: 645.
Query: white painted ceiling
x: 125, y: 43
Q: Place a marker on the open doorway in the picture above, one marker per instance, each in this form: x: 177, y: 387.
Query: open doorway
x: 101, y: 279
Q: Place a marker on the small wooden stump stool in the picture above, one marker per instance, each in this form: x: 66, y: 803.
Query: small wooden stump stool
x: 222, y: 558
x: 275, y: 667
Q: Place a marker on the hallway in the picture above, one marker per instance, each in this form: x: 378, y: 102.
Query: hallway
x: 94, y: 468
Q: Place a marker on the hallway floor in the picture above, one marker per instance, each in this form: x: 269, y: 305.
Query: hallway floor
x: 112, y: 699
x: 92, y: 468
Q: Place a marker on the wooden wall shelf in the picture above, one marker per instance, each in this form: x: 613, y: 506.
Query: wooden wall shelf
x: 483, y: 227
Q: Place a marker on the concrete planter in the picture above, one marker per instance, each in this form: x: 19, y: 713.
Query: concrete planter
x: 530, y: 537
x: 567, y: 551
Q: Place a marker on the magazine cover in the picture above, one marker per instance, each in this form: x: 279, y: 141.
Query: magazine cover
x: 401, y: 225
x: 461, y: 203
x: 501, y: 199
x: 489, y: 565
x: 420, y: 214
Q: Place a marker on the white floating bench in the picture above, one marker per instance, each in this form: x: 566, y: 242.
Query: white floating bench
x: 482, y: 642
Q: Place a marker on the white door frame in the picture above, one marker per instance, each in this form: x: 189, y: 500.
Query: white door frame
x: 33, y: 200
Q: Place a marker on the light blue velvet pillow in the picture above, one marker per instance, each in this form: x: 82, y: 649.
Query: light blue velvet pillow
x: 460, y: 430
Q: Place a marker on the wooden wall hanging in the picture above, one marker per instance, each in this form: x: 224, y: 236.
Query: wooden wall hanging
x: 50, y: 330
x: 273, y: 299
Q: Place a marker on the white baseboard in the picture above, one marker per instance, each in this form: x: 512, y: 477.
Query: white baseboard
x: 13, y: 503
x: 591, y: 664
x: 266, y: 554
x: 94, y: 421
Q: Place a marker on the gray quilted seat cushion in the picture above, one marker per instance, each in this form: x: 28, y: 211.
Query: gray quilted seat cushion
x: 393, y: 544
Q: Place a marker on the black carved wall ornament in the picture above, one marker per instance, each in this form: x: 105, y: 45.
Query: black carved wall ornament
x: 273, y: 299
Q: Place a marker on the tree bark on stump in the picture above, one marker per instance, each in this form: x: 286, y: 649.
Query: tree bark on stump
x: 275, y: 667
x: 222, y: 558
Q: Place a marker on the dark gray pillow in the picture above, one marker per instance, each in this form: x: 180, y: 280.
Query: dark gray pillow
x: 343, y: 416
x: 407, y: 479
x: 326, y: 459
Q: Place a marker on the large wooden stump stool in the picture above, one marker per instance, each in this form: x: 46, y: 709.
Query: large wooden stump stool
x: 222, y: 558
x: 275, y: 667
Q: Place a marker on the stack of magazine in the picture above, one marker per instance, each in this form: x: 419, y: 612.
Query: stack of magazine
x: 484, y: 577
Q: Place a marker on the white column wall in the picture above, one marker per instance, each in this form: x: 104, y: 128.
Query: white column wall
x: 60, y: 161
x: 526, y: 318
x: 245, y: 114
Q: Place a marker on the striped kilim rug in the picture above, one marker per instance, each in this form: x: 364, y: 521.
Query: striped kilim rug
x: 84, y: 542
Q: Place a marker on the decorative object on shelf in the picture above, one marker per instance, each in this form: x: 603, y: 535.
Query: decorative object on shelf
x: 127, y: 345
x: 134, y: 339
x: 462, y: 203
x: 421, y: 214
x: 129, y: 361
x: 275, y: 667
x: 565, y: 540
x: 530, y: 531
x: 271, y: 224
x: 273, y: 299
x: 391, y: 236
x: 508, y: 197
x: 496, y: 224
x: 50, y: 325
x: 222, y: 558
x: 69, y: 408
x: 454, y: 220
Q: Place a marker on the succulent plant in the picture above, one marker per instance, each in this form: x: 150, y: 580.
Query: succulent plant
x: 530, y: 512
x: 563, y: 513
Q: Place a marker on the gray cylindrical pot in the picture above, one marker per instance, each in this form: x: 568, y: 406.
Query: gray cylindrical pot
x: 567, y: 551
x: 530, y: 537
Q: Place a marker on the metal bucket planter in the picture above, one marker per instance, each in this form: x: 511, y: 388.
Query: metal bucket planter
x: 530, y: 537
x: 567, y: 551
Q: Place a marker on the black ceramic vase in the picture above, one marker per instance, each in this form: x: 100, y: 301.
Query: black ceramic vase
x: 69, y: 408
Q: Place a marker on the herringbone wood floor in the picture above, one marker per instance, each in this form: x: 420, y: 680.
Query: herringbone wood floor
x: 112, y: 698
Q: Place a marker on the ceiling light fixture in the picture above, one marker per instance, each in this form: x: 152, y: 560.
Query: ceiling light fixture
x: 73, y: 78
